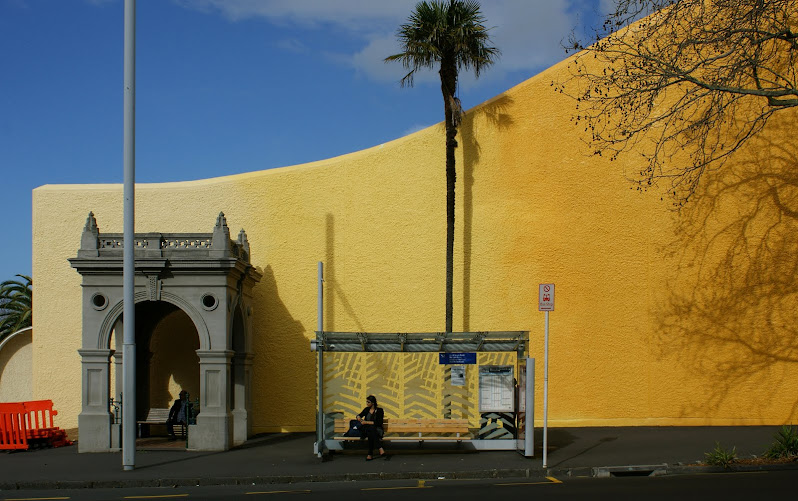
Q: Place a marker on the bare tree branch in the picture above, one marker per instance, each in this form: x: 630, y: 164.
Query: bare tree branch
x: 684, y: 83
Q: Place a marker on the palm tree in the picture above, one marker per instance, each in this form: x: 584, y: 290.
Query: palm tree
x: 453, y: 36
x: 15, y: 305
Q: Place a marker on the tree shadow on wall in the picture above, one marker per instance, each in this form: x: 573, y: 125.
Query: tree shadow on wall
x: 731, y: 313
x: 333, y: 288
x: 283, y: 360
x: 494, y: 115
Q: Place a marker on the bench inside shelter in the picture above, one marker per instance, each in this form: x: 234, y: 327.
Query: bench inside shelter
x: 413, y: 430
x: 157, y: 416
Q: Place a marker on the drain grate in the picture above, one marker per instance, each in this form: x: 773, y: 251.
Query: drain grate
x: 630, y: 471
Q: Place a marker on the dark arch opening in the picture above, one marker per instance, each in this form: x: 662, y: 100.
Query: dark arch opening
x: 166, y: 355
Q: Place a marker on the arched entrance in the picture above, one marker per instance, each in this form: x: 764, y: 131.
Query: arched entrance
x: 193, y: 307
x: 171, y: 362
x: 167, y: 361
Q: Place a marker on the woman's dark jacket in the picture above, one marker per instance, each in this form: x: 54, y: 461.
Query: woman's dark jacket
x: 377, y: 416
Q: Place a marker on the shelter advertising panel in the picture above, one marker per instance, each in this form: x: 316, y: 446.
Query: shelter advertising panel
x: 496, y: 389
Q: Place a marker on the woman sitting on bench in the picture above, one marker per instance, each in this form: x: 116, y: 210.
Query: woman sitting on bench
x: 371, y: 417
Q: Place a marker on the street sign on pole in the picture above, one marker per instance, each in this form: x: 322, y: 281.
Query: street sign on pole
x: 546, y: 304
x: 546, y: 297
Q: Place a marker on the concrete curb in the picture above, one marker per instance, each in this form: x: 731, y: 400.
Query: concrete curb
x: 662, y: 469
x: 570, y: 472
x: 268, y: 479
x: 692, y: 469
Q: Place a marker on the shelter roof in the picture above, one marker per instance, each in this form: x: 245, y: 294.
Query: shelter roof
x: 483, y: 341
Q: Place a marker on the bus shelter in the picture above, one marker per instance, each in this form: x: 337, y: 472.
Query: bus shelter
x: 456, y: 375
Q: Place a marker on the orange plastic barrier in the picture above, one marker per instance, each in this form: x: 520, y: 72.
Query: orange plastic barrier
x: 13, y: 431
x: 39, y: 423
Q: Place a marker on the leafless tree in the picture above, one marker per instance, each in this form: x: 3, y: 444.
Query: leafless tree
x: 684, y: 83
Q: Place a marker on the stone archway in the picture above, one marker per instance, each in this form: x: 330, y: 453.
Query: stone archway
x: 206, y: 276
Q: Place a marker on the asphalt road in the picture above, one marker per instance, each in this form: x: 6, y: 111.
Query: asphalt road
x: 727, y: 486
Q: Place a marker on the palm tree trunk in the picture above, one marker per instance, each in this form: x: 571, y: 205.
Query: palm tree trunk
x: 448, y: 74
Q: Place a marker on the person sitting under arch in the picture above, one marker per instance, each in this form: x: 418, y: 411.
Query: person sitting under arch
x: 178, y: 414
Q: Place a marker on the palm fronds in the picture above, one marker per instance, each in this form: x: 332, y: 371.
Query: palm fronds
x: 16, y: 300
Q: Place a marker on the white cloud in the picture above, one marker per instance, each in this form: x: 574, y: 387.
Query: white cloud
x: 530, y: 33
x: 352, y: 15
x: 371, y: 62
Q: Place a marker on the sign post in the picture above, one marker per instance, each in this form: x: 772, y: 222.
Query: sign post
x: 546, y: 304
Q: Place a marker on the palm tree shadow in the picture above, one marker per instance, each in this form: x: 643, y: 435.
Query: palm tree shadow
x: 495, y: 115
x: 731, y: 314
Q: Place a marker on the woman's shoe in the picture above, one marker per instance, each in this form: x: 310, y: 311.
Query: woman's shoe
x: 369, y: 458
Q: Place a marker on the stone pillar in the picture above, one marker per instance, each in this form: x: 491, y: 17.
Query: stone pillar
x: 94, y: 421
x: 213, y: 431
x: 242, y: 373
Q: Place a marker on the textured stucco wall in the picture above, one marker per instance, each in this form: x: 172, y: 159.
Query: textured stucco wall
x: 638, y: 336
x: 16, y: 369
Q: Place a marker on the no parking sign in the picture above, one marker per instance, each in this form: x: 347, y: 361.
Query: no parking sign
x: 546, y: 297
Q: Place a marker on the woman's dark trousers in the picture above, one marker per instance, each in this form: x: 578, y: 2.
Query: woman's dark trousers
x: 374, y: 438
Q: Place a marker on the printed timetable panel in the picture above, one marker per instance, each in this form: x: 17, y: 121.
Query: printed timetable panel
x: 496, y: 392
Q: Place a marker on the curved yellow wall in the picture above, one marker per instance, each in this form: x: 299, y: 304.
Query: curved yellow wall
x: 644, y: 333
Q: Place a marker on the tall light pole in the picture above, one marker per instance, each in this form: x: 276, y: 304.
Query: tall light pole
x: 128, y: 258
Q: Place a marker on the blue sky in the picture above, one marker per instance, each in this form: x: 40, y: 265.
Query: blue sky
x: 225, y: 86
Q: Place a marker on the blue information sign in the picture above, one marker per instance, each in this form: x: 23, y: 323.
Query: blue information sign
x: 457, y: 358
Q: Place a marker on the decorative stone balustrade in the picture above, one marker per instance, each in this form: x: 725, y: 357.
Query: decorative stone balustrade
x: 216, y: 244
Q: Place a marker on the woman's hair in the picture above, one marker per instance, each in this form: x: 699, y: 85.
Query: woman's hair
x: 372, y: 399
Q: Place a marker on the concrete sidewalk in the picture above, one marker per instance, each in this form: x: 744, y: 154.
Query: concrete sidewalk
x: 289, y: 458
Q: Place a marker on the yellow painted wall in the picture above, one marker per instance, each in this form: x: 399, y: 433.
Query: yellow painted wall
x: 653, y: 323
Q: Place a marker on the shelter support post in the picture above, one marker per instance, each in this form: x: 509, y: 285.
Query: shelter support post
x: 319, y: 446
